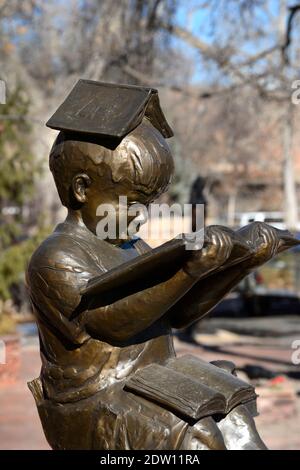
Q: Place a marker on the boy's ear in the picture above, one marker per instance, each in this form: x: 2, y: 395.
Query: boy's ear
x: 80, y: 183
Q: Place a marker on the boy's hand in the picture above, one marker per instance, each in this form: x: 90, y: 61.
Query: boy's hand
x: 212, y: 256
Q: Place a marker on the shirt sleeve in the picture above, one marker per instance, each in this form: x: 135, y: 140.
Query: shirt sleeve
x: 55, y: 278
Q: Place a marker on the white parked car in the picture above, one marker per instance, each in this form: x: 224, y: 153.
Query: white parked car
x: 272, y: 218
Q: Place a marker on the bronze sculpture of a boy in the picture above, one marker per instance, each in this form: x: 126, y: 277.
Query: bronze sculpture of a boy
x: 91, y: 345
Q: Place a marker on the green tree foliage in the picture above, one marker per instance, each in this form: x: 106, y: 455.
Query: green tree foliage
x: 18, y: 169
x: 13, y: 261
x: 17, y: 166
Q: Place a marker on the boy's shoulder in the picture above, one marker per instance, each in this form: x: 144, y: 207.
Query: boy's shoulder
x: 59, y: 249
x: 58, y: 269
x: 64, y: 250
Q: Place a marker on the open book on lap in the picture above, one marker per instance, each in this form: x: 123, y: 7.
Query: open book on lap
x: 190, y: 388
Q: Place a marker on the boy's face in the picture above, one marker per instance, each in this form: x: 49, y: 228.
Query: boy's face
x: 113, y: 209
x: 137, y: 173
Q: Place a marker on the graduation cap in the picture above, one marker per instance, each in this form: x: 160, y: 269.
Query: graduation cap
x: 108, y: 110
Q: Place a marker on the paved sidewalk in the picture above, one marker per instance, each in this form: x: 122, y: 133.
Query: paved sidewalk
x: 20, y: 426
x: 278, y: 424
x: 278, y: 404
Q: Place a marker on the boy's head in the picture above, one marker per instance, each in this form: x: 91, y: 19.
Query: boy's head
x: 88, y: 173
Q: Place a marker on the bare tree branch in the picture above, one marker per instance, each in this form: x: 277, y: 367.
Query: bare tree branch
x: 223, y: 58
x: 220, y: 55
x: 193, y: 93
x: 288, y: 38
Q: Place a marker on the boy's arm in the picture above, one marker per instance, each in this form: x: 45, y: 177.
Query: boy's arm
x: 205, y: 295
x: 128, y: 316
x: 55, y: 277
x: 123, y: 319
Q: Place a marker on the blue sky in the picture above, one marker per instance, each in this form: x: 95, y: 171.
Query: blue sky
x: 200, y: 25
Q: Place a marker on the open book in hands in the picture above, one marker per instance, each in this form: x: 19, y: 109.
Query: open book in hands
x: 169, y: 257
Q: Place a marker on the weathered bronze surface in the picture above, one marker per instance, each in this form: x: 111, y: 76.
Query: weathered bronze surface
x: 94, y: 339
x: 109, y: 110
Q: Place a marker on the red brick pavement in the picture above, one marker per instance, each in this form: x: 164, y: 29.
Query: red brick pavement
x: 279, y: 419
x: 279, y: 424
x: 20, y: 427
